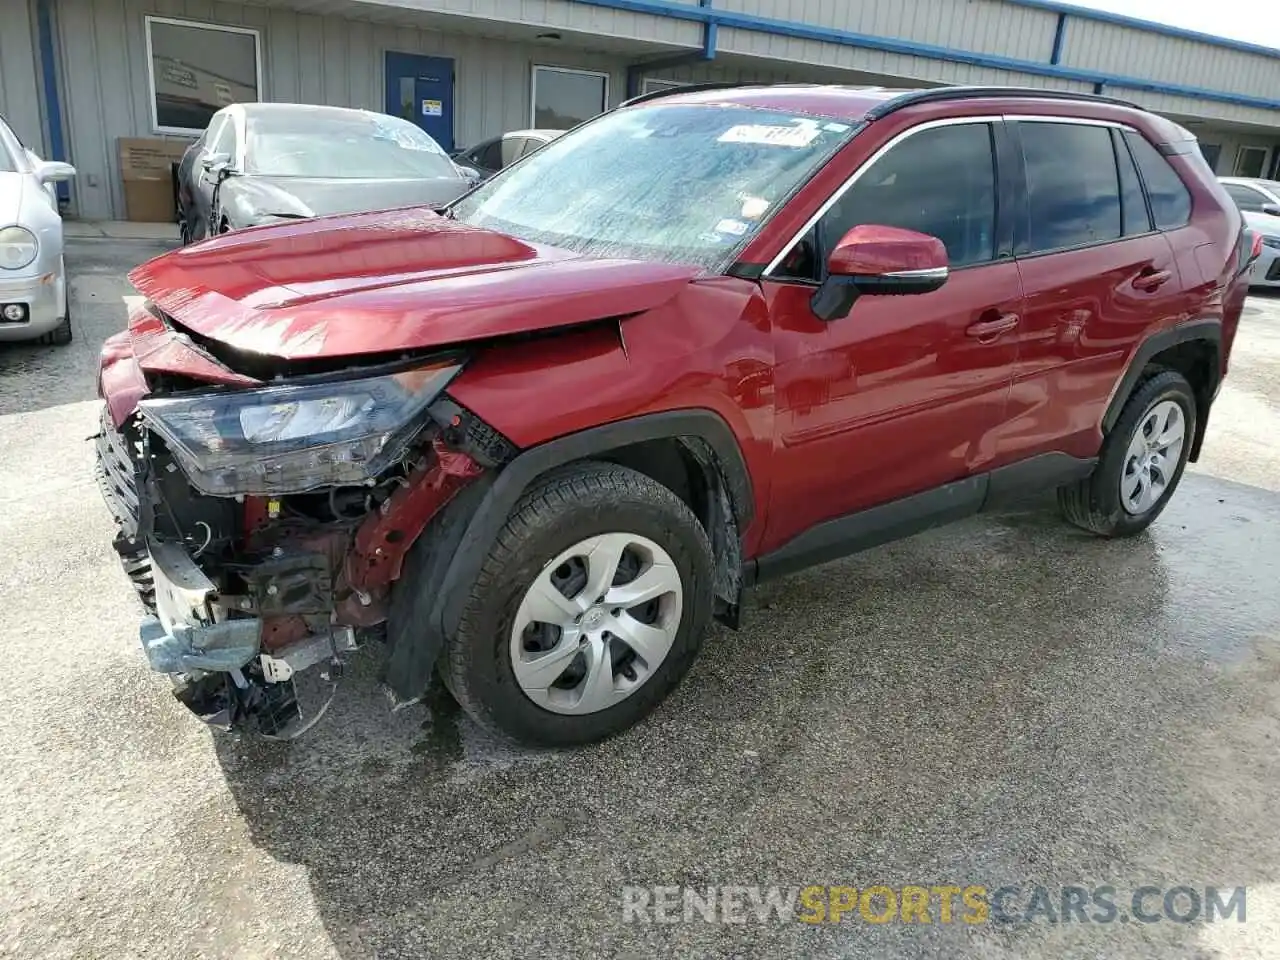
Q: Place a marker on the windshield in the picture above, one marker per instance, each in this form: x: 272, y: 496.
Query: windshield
x: 688, y: 183
x: 9, y: 147
x: 355, y: 146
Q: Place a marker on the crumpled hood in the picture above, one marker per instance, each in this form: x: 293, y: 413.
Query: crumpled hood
x: 254, y: 197
x: 394, y: 280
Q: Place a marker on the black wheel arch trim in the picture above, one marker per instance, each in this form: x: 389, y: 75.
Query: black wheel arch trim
x: 446, y: 585
x: 1208, y: 330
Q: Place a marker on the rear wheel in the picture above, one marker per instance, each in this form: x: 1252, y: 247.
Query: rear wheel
x: 1142, y: 460
x: 588, y: 611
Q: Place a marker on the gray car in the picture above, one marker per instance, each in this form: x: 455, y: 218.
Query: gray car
x: 33, y: 277
x: 494, y: 155
x: 260, y: 163
x: 1259, y: 201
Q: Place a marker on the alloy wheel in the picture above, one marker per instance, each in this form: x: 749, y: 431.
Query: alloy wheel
x: 1155, y: 450
x: 596, y: 623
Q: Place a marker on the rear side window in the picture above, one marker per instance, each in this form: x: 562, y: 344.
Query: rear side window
x: 1170, y: 199
x: 1134, y: 217
x: 1073, y: 190
x: 940, y: 181
x: 1246, y: 198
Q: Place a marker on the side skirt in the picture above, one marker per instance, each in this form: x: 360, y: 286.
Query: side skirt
x: 897, y: 519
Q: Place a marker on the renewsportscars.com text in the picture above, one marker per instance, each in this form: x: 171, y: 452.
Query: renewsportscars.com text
x: 934, y: 903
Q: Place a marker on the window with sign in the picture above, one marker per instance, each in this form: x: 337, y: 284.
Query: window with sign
x: 196, y: 69
x: 564, y: 98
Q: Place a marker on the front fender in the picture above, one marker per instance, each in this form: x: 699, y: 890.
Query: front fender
x: 246, y: 202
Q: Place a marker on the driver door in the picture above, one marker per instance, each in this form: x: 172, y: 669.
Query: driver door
x: 902, y: 396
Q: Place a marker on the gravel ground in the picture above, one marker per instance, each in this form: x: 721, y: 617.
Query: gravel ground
x: 1005, y: 701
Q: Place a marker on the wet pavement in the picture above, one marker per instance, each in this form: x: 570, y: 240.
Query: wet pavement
x: 1006, y: 701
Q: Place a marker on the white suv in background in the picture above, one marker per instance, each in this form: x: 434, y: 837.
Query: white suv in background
x: 1259, y: 201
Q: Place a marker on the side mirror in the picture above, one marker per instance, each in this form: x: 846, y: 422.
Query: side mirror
x: 53, y: 171
x: 1271, y: 209
x: 873, y: 259
x: 470, y: 173
x: 217, y: 164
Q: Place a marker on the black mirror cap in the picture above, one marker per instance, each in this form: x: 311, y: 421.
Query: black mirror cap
x: 837, y: 295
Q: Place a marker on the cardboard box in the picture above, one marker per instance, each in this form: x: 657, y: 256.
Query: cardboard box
x: 148, y: 169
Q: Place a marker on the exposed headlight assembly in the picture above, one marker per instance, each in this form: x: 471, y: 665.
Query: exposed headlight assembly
x: 18, y: 247
x: 295, y: 438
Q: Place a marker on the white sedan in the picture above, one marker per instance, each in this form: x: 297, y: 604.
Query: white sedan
x: 33, y: 277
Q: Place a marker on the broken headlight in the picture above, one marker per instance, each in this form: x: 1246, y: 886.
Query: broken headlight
x: 294, y: 438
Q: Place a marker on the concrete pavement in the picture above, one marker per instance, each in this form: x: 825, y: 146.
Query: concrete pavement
x: 1006, y: 701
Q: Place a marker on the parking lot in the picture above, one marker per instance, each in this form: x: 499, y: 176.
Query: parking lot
x: 1003, y: 702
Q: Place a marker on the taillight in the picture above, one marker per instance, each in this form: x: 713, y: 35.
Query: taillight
x: 1256, y: 251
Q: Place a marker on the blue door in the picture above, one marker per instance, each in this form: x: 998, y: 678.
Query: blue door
x: 420, y: 89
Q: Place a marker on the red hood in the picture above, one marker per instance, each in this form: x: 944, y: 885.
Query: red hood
x: 393, y: 280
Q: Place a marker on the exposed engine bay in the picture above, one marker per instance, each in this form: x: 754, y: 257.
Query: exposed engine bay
x: 253, y: 569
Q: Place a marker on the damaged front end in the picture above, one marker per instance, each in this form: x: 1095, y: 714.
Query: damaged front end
x: 263, y: 527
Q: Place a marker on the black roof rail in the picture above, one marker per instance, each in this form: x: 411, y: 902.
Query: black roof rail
x: 935, y: 94
x: 688, y: 88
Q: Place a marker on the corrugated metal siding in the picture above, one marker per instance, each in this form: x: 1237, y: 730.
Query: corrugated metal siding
x: 1229, y: 143
x: 980, y: 26
x: 1179, y: 106
x: 1108, y: 48
x: 306, y: 59
x: 20, y: 74
x: 793, y: 50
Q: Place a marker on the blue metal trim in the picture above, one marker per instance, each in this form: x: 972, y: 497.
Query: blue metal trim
x: 1147, y: 26
x: 1059, y: 34
x: 53, y: 105
x: 800, y: 31
x: 710, y: 33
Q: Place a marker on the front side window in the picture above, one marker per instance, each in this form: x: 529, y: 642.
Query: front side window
x: 1170, y: 199
x: 512, y: 149
x: 318, y: 143
x: 196, y: 69
x: 678, y: 182
x: 225, y: 141
x: 1073, y: 191
x: 488, y: 156
x: 563, y: 98
x: 940, y: 181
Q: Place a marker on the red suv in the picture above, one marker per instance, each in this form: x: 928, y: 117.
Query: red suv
x: 538, y: 439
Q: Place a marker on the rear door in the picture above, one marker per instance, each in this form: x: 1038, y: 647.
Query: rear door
x: 1097, y: 272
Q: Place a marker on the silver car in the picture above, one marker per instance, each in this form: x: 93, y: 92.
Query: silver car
x: 33, y: 277
x: 1259, y: 201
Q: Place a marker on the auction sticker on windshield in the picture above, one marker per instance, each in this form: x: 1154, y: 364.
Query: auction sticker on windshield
x: 803, y: 133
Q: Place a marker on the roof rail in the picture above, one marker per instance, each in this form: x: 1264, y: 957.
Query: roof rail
x: 935, y: 94
x: 690, y: 88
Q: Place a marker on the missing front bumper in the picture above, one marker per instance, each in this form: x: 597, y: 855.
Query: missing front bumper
x: 219, y: 669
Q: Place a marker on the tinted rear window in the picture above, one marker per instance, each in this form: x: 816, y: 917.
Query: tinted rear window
x: 1073, y: 191
x: 1133, y: 205
x: 1170, y: 199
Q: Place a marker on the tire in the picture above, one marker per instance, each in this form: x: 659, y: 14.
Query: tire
x: 1097, y: 503
x: 60, y: 335
x: 586, y: 503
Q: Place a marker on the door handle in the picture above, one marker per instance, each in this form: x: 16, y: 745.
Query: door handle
x: 1150, y: 279
x: 990, y: 328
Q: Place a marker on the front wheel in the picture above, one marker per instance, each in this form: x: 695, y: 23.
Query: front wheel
x: 1142, y: 460
x: 587, y: 612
